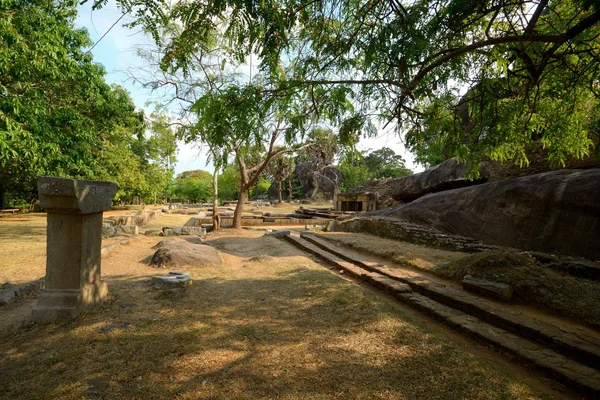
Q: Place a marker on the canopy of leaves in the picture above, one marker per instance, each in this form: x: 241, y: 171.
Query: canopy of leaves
x: 59, y: 117
x: 530, y: 66
x: 357, y: 167
x: 194, y: 186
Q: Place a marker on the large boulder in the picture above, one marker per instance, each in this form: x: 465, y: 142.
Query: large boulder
x: 172, y: 253
x: 445, y: 176
x: 326, y: 182
x: 553, y: 212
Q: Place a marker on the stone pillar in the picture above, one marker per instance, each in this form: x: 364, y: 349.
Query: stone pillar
x: 74, y: 240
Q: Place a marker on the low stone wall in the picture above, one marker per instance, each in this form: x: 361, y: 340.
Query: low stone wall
x: 260, y: 221
x: 391, y: 228
x: 112, y: 226
x: 135, y: 219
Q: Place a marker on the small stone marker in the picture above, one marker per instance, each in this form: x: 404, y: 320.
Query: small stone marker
x: 74, y: 241
x: 499, y: 291
x: 307, y: 234
x: 279, y: 233
x: 173, y: 279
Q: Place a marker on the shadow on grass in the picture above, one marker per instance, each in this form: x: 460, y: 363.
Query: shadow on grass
x: 302, y: 333
x: 16, y: 231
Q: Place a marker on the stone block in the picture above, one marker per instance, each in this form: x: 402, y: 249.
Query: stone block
x: 132, y: 229
x: 74, y: 241
x: 279, y: 233
x: 73, y: 196
x: 173, y: 279
x: 499, y: 291
x: 109, y: 231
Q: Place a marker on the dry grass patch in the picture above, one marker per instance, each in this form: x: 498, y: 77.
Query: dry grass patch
x: 22, y: 248
x: 403, y: 253
x: 533, y: 283
x: 173, y: 220
x: 283, y: 327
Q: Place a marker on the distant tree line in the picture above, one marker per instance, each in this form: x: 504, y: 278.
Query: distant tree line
x: 356, y: 167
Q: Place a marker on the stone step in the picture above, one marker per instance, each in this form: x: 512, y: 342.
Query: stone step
x: 575, y: 345
x: 558, y: 366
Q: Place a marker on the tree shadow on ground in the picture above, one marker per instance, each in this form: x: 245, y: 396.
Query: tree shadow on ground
x: 299, y: 333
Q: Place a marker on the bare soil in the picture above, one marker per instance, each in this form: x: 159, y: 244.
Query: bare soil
x: 270, y: 323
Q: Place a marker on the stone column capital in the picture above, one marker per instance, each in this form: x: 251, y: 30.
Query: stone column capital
x: 73, y: 196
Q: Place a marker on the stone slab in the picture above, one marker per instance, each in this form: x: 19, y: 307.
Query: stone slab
x: 496, y: 290
x: 279, y: 233
x: 184, y: 230
x: 64, y: 195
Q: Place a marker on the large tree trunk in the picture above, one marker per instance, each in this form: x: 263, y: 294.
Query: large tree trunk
x: 279, y: 192
x: 290, y: 189
x: 239, y: 208
x: 215, y: 213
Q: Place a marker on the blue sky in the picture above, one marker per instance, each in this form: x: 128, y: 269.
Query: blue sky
x: 117, y: 52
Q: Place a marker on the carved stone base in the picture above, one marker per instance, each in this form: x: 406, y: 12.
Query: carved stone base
x: 58, y: 304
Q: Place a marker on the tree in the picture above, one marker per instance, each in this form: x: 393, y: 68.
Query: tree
x: 229, y: 183
x: 281, y: 169
x: 193, y: 185
x: 385, y: 163
x: 523, y: 62
x: 58, y: 116
x: 353, y: 169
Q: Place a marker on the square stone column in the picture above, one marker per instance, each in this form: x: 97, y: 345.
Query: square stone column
x: 74, y: 240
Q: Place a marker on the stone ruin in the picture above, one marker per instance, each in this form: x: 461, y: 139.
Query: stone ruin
x: 74, y: 241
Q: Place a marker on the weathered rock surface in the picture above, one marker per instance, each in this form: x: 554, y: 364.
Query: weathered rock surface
x: 496, y: 290
x: 180, y: 252
x: 184, y: 230
x: 326, y: 181
x: 553, y: 212
x: 445, y: 176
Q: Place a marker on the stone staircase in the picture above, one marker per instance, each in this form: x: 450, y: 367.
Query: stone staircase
x: 570, y: 357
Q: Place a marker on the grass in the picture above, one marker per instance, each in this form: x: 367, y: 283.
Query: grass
x: 403, y: 253
x: 275, y: 326
x: 534, y: 284
x: 22, y: 248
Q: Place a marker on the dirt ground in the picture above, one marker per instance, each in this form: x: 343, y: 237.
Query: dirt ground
x: 278, y: 326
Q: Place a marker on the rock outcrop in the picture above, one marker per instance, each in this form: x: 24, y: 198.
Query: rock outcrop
x: 445, y: 176
x: 553, y: 212
x: 326, y: 181
x: 176, y: 252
